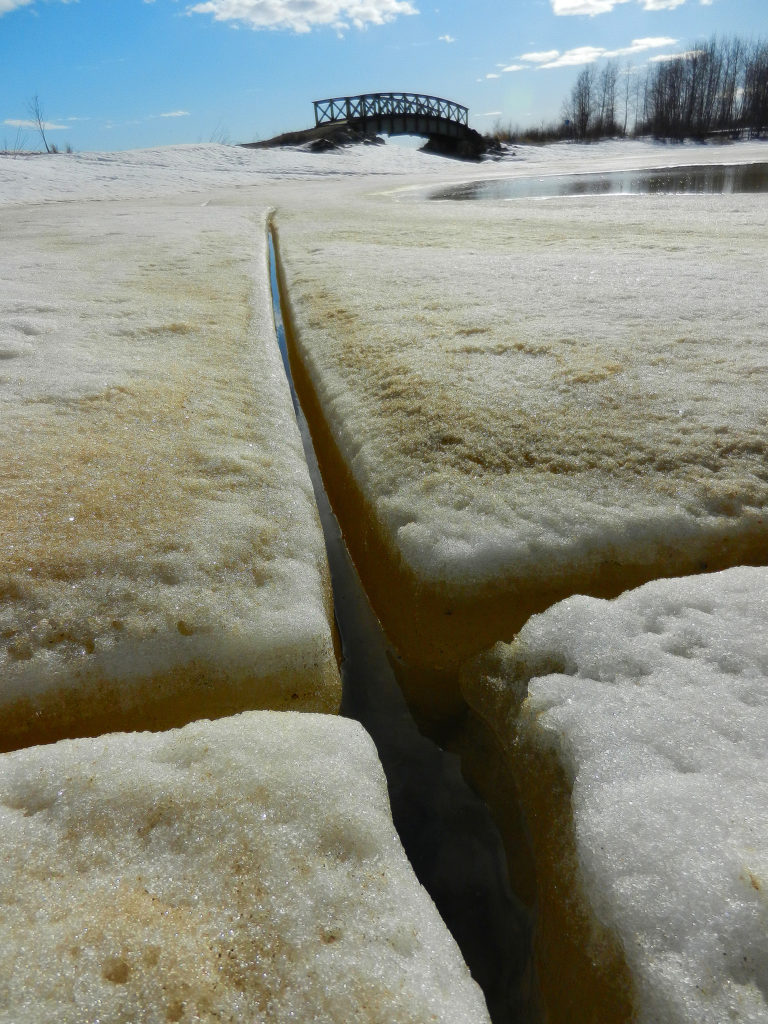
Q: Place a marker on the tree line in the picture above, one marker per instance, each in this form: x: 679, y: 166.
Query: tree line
x: 716, y: 87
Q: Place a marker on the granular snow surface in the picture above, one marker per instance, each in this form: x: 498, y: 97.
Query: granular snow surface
x: 655, y: 706
x: 162, y: 557
x: 239, y: 870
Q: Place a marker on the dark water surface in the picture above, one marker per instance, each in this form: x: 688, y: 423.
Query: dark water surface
x: 700, y: 179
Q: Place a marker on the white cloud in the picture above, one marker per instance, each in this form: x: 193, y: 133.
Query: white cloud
x: 492, y: 75
x: 539, y: 58
x: 673, y: 56
x: 588, y: 54
x: 175, y: 113
x: 514, y: 67
x: 490, y: 113
x: 6, y: 6
x: 303, y: 15
x: 446, y: 39
x: 639, y: 45
x: 593, y: 7
x: 47, y: 126
x: 578, y: 55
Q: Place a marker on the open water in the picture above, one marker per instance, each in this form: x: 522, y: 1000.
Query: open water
x: 701, y: 179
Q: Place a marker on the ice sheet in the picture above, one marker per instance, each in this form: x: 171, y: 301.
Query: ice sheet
x: 536, y: 399
x: 245, y: 869
x: 162, y: 556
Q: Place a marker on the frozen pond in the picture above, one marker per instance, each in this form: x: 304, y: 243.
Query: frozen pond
x: 717, y: 178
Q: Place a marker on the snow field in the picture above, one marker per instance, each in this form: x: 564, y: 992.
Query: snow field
x: 157, y: 492
x: 635, y: 731
x: 244, y: 869
x: 523, y: 401
x: 162, y: 556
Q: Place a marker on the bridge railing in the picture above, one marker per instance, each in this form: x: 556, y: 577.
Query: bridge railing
x: 387, y: 104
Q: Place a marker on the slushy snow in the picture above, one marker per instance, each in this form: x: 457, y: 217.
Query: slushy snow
x: 655, y: 708
x: 240, y: 870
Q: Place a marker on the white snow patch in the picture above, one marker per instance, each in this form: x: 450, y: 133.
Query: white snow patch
x: 656, y: 706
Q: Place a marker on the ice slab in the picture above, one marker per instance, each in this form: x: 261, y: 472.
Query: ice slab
x: 244, y: 869
x: 162, y: 558
x: 636, y: 732
x: 520, y: 401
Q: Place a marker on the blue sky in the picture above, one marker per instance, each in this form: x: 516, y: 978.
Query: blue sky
x: 118, y: 74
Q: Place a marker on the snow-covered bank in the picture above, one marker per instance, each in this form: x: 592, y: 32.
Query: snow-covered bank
x: 174, y: 170
x: 162, y: 558
x: 636, y: 733
x: 240, y: 870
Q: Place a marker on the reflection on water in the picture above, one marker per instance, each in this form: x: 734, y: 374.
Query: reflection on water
x: 721, y: 178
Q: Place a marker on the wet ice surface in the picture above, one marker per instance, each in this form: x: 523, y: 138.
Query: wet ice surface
x: 446, y: 830
x: 655, y: 705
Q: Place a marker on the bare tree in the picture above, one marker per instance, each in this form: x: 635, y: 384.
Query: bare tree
x: 629, y: 76
x: 606, y: 102
x: 35, y: 108
x: 17, y: 146
x: 754, y: 113
x: 579, y: 109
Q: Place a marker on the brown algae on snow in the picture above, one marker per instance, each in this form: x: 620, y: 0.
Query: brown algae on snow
x: 567, y: 444
x: 162, y: 557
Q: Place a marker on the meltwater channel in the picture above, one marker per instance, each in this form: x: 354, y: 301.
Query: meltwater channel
x: 446, y: 830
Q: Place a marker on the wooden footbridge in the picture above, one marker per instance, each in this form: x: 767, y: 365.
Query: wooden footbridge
x: 444, y: 122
